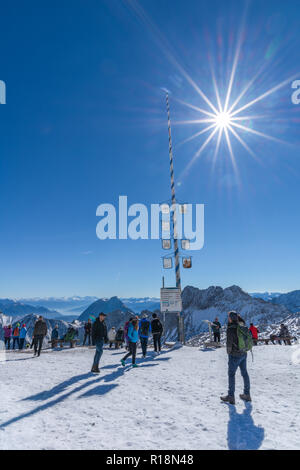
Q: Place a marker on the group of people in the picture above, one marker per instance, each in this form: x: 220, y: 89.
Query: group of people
x: 18, y: 336
x: 135, y: 330
x: 239, y: 340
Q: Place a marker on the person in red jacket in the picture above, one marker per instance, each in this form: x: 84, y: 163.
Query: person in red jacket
x: 254, y: 332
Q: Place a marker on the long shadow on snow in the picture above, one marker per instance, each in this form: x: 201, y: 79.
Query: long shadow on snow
x: 103, y: 389
x: 109, y: 378
x: 21, y: 359
x: 242, y: 433
x: 58, y: 388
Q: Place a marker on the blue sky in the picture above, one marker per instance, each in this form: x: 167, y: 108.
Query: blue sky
x: 85, y: 122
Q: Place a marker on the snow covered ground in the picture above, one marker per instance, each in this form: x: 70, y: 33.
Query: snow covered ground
x: 170, y: 402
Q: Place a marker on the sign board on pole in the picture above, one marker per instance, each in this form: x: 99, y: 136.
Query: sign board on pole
x: 170, y: 299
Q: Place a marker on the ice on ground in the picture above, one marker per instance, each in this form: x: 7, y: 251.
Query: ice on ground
x: 169, y: 402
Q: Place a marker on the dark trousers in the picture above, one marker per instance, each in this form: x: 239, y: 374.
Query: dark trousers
x: 132, y: 351
x: 37, y: 344
x: 157, y: 341
x: 99, y: 351
x: 16, y: 340
x: 22, y: 340
x: 144, y: 344
x: 217, y: 337
x: 233, y: 364
x: 87, y: 335
x: 7, y: 342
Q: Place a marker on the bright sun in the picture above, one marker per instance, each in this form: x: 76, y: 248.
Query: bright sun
x: 223, y: 120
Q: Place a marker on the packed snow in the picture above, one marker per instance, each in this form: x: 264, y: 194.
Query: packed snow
x: 170, y: 402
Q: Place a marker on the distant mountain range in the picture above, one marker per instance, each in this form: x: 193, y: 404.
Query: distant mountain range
x: 65, y: 305
x: 19, y: 309
x: 267, y: 296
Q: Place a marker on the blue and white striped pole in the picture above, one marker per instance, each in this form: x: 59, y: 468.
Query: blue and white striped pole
x: 176, y: 249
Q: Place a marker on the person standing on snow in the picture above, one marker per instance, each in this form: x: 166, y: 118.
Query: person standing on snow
x: 126, y: 327
x: 144, y: 332
x: 7, y: 335
x: 284, y: 333
x: 112, y: 336
x: 87, y: 331
x: 23, y: 333
x: 157, y: 331
x: 133, y: 337
x: 16, y: 336
x: 216, y: 327
x: 254, y: 332
x: 99, y: 337
x: 39, y: 333
x: 119, y: 338
x: 236, y: 358
x: 54, y: 337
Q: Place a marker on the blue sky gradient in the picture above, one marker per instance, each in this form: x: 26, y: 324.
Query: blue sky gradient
x: 85, y: 122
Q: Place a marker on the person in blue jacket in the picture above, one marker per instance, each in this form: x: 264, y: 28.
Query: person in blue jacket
x: 144, y: 332
x: 133, y: 336
x: 22, y: 336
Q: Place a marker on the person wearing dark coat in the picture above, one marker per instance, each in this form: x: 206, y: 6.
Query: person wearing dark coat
x: 87, y: 331
x: 157, y: 331
x: 236, y: 359
x: 284, y: 333
x: 54, y: 337
x: 99, y: 337
x: 119, y: 338
x: 216, y: 327
x: 39, y: 333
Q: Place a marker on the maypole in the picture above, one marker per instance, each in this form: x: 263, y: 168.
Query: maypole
x: 174, y: 222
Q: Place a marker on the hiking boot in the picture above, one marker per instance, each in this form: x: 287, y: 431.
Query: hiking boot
x: 245, y: 397
x: 228, y: 399
x: 134, y: 365
x: 95, y: 370
x: 123, y: 362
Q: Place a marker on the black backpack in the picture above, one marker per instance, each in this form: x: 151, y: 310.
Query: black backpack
x: 144, y: 328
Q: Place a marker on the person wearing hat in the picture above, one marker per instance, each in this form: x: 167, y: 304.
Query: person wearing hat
x: 99, y: 337
x: 144, y: 332
x: 236, y: 359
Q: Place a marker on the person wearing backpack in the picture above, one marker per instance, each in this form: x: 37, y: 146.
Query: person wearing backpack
x: 144, y: 332
x: 16, y: 335
x: 133, y: 337
x: 239, y: 341
x: 157, y: 331
x: 38, y: 335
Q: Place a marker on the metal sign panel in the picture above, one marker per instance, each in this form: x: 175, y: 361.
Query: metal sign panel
x: 170, y: 299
